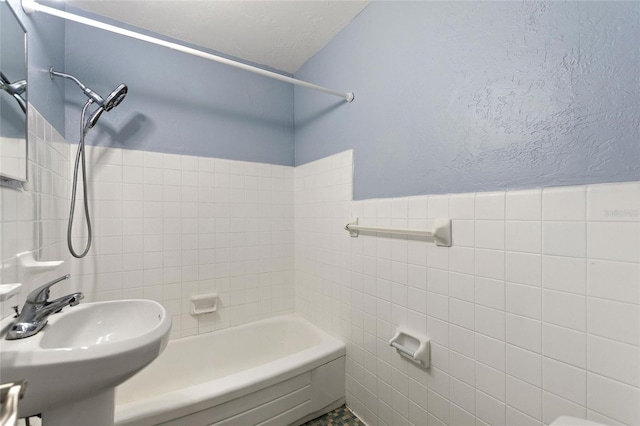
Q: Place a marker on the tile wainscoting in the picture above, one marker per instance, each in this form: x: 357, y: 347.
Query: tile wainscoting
x: 33, y: 215
x: 533, y: 313
x: 171, y: 226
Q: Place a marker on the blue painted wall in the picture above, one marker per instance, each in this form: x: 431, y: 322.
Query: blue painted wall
x: 177, y: 103
x: 477, y: 96
x: 46, y: 48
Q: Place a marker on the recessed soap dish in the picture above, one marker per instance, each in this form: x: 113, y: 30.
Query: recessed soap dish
x: 204, y: 303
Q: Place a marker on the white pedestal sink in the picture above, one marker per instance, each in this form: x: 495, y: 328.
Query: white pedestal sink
x: 74, y: 364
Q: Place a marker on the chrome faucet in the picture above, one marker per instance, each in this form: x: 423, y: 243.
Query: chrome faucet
x: 37, y: 308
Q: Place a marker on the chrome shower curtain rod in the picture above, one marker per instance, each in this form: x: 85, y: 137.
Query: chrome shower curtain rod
x: 31, y: 6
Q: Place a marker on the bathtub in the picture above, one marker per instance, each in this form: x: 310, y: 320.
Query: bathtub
x: 278, y: 371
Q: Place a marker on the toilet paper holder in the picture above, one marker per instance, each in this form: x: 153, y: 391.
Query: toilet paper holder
x: 412, y: 346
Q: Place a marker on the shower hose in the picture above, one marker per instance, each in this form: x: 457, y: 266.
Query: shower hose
x: 79, y: 156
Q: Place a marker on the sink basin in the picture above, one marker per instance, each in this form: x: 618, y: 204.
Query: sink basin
x: 83, y: 352
x: 107, y: 326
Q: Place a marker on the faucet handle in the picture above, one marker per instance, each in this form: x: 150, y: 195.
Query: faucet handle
x: 41, y: 294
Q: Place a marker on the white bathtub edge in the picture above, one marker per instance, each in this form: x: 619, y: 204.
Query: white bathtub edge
x: 199, y: 397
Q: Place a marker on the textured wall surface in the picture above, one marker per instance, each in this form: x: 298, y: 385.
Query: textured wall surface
x: 468, y: 96
x: 177, y: 103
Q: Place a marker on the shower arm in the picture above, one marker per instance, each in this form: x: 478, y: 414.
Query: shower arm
x: 90, y: 93
x: 31, y: 6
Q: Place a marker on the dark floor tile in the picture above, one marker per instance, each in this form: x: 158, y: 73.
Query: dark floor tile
x: 341, y: 416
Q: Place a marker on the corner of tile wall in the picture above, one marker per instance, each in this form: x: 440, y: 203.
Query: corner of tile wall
x: 533, y: 313
x: 168, y: 227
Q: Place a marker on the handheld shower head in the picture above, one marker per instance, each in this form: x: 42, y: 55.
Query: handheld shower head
x: 93, y: 119
x: 115, y: 98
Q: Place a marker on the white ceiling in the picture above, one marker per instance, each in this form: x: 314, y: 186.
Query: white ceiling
x: 281, y: 34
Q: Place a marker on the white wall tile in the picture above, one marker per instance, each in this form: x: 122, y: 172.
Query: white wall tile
x: 554, y: 406
x: 463, y: 368
x: 462, y: 341
x: 563, y: 344
x: 523, y: 268
x: 490, y: 322
x: 437, y: 257
x: 613, y: 399
x: 417, y: 300
x: 614, y: 202
x: 564, y: 309
x: 490, y: 264
x: 524, y: 397
x: 524, y: 300
x: 438, y: 207
x: 490, y: 234
x: 152, y: 159
x: 490, y: 293
x: 564, y: 239
x: 565, y: 381
x: 564, y: 203
x: 614, y: 280
x: 461, y: 259
x: 132, y: 157
x: 490, y: 205
x: 461, y: 286
x: 523, y: 236
x: 417, y: 208
x: 615, y: 360
x: 524, y: 364
x: 564, y: 274
x: 524, y: 205
x: 523, y: 332
x: 462, y: 206
x: 490, y: 351
x: 437, y: 306
x: 459, y: 416
x: 462, y: 313
x: 614, y: 241
x: 614, y: 320
x: 490, y: 409
x: 515, y: 417
x: 490, y: 381
x: 463, y: 233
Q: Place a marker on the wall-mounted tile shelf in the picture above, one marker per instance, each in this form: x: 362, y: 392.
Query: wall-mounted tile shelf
x: 8, y: 290
x: 28, y: 264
